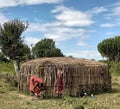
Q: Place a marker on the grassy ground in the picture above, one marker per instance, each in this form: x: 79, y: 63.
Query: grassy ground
x: 10, y: 98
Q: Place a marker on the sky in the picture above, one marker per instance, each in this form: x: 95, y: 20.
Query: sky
x: 76, y: 26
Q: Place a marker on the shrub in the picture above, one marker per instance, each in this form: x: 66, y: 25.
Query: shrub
x: 79, y: 107
x: 115, y: 68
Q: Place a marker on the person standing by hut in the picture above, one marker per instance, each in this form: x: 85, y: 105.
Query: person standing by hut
x: 36, y: 84
x: 59, y: 85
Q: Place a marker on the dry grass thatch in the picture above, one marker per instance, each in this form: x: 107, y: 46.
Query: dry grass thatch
x: 88, y: 75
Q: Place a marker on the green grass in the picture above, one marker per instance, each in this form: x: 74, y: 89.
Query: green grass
x: 115, y: 68
x: 11, y: 98
x: 7, y: 68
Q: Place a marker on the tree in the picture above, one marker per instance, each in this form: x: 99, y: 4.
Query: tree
x: 11, y: 43
x: 3, y: 58
x: 24, y: 52
x: 110, y: 48
x: 46, y: 48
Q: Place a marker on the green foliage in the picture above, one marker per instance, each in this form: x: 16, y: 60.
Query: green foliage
x: 11, y: 44
x: 24, y: 53
x: 7, y: 68
x: 6, y: 86
x: 79, y: 107
x: 3, y: 58
x: 110, y: 48
x: 46, y: 48
x: 115, y: 68
x: 103, y: 61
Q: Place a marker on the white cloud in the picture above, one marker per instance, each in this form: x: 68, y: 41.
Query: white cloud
x: 116, y: 11
x: 81, y: 40
x: 115, y: 4
x: 56, y: 31
x: 97, y: 10
x: 64, y: 33
x: 34, y: 27
x: 31, y: 40
x: 31, y: 2
x: 113, y: 16
x: 85, y: 54
x: 71, y: 17
x: 67, y: 25
x: 3, y: 18
x: 110, y: 33
x: 81, y: 43
x: 11, y: 3
x: 108, y: 25
x: 58, y: 9
x: 7, y: 3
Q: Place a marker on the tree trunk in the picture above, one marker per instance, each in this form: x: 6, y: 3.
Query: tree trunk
x: 16, y: 66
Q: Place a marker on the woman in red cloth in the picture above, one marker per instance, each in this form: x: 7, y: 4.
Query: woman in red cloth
x: 59, y: 86
x: 35, y: 85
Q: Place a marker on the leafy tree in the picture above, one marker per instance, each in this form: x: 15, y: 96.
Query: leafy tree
x: 110, y: 48
x: 3, y: 58
x: 11, y: 43
x: 46, y: 48
x: 24, y: 52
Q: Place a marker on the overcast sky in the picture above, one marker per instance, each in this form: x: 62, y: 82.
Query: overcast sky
x: 76, y: 26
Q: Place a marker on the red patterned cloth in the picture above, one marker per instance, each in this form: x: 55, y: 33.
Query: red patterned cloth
x: 59, y: 86
x: 33, y: 80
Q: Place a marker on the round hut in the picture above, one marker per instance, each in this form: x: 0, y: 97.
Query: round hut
x: 78, y: 74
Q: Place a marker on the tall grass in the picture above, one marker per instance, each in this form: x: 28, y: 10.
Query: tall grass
x: 115, y: 68
x: 7, y: 68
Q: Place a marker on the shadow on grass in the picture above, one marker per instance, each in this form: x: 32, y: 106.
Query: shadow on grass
x: 115, y: 90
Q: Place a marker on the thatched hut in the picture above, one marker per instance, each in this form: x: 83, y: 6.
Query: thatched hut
x: 88, y: 75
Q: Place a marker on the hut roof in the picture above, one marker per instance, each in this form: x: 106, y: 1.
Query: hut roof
x: 63, y: 61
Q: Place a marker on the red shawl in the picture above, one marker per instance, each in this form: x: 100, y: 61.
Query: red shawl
x: 33, y: 80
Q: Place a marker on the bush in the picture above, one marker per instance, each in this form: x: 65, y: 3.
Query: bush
x: 7, y: 68
x: 115, y: 68
x: 79, y: 107
x: 12, y: 80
